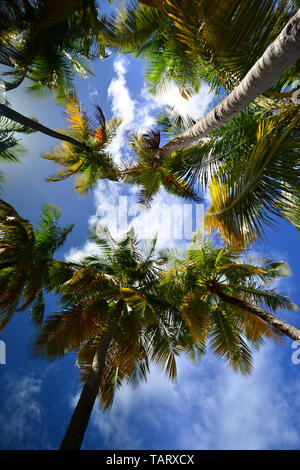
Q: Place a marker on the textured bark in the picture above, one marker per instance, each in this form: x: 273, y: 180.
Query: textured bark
x: 75, y: 432
x: 285, y: 328
x: 36, y: 126
x: 280, y: 55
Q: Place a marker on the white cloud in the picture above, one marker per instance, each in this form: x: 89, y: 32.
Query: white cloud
x: 209, y: 407
x: 23, y: 407
x: 205, y: 409
x: 123, y: 106
x: 93, y: 95
x: 195, y: 107
x: 138, y: 116
x: 170, y: 218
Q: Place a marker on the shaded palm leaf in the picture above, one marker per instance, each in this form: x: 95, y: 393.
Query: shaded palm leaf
x: 150, y: 173
x: 26, y: 254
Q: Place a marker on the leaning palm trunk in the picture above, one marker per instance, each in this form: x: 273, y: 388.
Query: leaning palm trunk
x: 282, y: 326
x: 281, y: 54
x: 36, y: 126
x: 75, y: 432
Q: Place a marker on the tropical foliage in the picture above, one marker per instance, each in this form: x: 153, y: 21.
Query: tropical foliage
x: 48, y: 41
x: 150, y: 172
x: 26, y: 254
x: 250, y: 165
x: 198, y: 279
x: 127, y: 270
x: 92, y: 160
x: 192, y: 41
x: 118, y: 287
x: 128, y: 305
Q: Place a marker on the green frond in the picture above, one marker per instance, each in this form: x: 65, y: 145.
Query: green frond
x: 49, y: 43
x: 226, y: 341
x: 245, y: 193
x: 93, y: 163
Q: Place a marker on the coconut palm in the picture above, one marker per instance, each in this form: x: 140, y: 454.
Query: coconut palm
x: 92, y: 160
x: 234, y: 211
x: 263, y: 182
x: 26, y: 253
x: 48, y: 41
x: 221, y: 44
x: 260, y: 77
x: 220, y: 289
x: 149, y: 172
x: 248, y: 70
x: 150, y: 34
x: 35, y: 126
x: 116, y: 318
x: 250, y: 166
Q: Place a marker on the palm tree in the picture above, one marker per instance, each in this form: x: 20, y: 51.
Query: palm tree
x: 116, y: 318
x: 221, y: 43
x: 150, y: 172
x: 26, y: 254
x: 250, y: 168
x: 84, y: 150
x: 47, y: 41
x: 259, y: 78
x: 35, y: 126
x: 248, y: 181
x: 92, y: 160
x: 220, y: 290
x: 247, y: 75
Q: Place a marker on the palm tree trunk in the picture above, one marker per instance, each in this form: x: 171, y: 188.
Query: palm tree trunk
x: 75, y: 432
x: 282, y: 326
x: 36, y: 126
x: 280, y: 55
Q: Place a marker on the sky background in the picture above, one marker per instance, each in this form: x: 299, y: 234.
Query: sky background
x: 209, y: 406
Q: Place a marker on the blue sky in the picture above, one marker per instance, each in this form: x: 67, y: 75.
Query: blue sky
x: 209, y: 406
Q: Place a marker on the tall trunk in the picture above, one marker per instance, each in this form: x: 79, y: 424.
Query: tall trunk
x: 280, y: 55
x: 75, y: 432
x: 36, y: 126
x: 282, y: 326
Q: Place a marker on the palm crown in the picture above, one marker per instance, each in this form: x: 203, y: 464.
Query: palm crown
x: 117, y: 319
x: 250, y: 168
x: 220, y: 44
x: 150, y: 173
x: 91, y: 161
x: 198, y: 281
x: 149, y: 328
x: 250, y: 164
x: 47, y: 41
x: 25, y: 258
